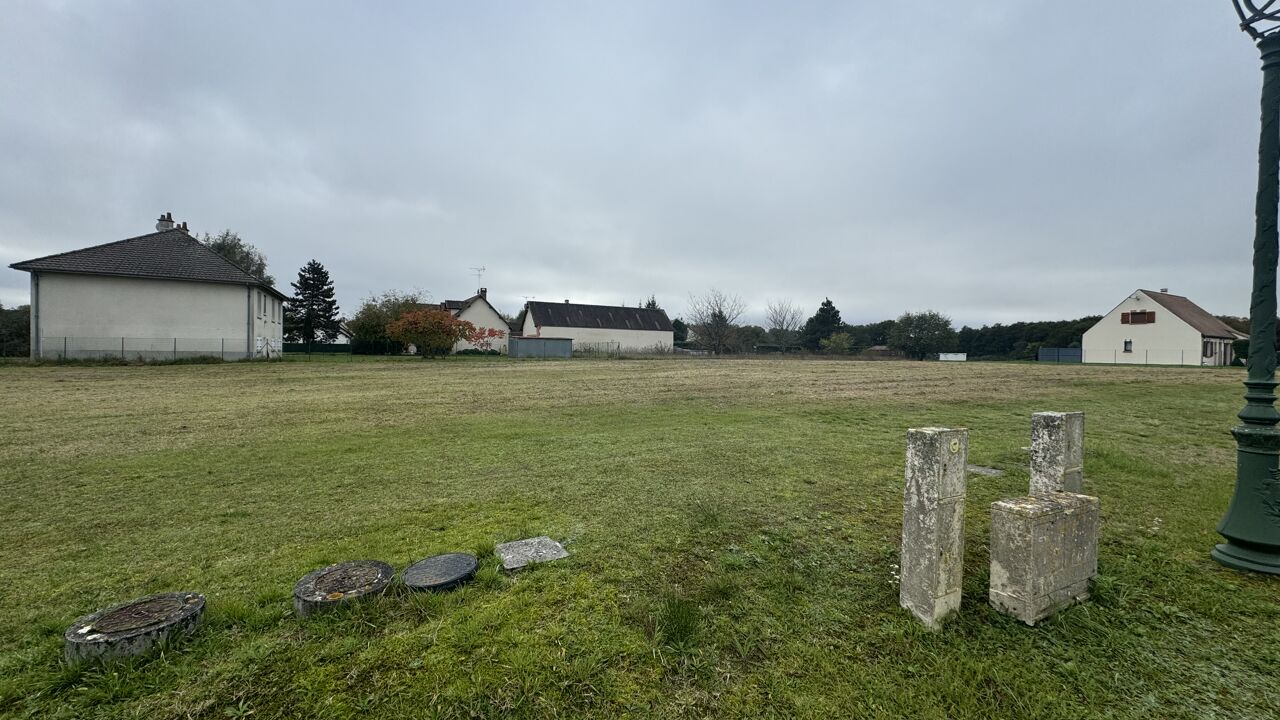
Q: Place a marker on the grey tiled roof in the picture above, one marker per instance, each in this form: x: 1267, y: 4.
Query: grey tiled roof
x: 546, y: 314
x: 165, y: 255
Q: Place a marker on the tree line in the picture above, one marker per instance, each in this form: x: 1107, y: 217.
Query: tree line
x: 712, y: 326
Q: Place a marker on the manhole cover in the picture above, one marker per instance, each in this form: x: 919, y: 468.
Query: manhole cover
x: 138, y: 614
x: 442, y: 572
x: 132, y: 628
x: 340, y: 583
x: 346, y: 578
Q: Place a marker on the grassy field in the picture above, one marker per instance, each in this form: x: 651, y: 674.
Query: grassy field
x: 734, y: 529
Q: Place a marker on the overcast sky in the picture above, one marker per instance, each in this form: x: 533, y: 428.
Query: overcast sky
x: 995, y: 160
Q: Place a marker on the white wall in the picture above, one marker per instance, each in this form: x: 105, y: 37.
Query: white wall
x: 1167, y: 341
x: 268, y: 319
x: 628, y: 340
x: 481, y: 315
x: 99, y: 310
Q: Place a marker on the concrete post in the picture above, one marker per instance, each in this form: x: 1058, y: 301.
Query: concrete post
x: 933, y: 522
x: 1057, y: 452
x: 1044, y: 552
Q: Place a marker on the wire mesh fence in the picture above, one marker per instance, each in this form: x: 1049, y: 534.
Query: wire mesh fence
x: 1155, y: 356
x: 146, y: 349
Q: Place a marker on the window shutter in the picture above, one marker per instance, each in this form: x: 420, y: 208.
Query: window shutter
x: 1124, y: 318
x: 1151, y: 316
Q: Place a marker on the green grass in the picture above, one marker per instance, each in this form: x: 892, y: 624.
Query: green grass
x: 733, y: 528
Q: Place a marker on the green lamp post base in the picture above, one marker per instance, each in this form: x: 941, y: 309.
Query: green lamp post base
x: 1240, y: 557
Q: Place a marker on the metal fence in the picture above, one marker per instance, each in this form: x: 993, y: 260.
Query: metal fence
x: 597, y: 349
x: 143, y: 349
x: 1143, y: 356
x: 1060, y: 355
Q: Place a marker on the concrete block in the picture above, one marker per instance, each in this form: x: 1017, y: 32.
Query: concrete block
x: 1057, y: 452
x: 932, y: 557
x: 522, y: 553
x: 1044, y: 552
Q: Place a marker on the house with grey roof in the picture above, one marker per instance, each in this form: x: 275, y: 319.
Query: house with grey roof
x: 1157, y: 328
x: 155, y: 296
x: 604, y: 327
x: 478, y: 311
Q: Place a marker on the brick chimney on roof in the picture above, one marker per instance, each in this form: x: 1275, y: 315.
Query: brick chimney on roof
x: 165, y: 222
x: 484, y: 293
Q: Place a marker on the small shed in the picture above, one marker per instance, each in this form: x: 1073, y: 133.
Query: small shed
x: 539, y: 347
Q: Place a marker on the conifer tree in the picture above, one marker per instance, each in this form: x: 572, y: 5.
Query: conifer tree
x: 821, y: 326
x: 311, y: 315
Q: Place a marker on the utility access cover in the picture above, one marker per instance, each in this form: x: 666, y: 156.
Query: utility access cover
x: 336, y: 584
x: 442, y: 572
x: 132, y: 628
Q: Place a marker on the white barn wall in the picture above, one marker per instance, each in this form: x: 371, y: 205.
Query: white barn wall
x: 633, y: 340
x: 1167, y: 341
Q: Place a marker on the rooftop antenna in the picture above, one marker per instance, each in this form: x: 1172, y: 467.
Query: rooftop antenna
x: 527, y: 298
x: 479, y: 271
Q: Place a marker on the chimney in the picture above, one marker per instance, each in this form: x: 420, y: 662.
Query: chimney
x: 484, y: 293
x: 566, y: 301
x: 1164, y: 290
x: 184, y: 227
x: 165, y: 222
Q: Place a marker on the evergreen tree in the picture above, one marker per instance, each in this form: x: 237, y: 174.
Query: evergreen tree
x: 652, y: 303
x: 311, y: 315
x: 679, y: 332
x: 821, y: 326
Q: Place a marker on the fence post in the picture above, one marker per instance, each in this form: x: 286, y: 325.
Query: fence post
x: 121, y: 348
x: 64, y: 347
x: 224, y: 349
x: 175, y: 348
x: 1146, y: 357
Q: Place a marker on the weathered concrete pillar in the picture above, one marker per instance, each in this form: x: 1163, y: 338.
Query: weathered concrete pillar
x: 1057, y: 452
x: 1044, y: 552
x: 933, y: 522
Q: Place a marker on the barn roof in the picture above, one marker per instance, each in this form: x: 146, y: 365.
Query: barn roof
x: 1194, y: 315
x: 547, y: 314
x: 164, y: 255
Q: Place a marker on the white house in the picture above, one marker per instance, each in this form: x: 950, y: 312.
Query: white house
x: 155, y: 296
x: 1156, y: 328
x: 477, y: 311
x: 598, y: 326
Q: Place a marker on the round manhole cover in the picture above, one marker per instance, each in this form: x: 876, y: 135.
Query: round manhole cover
x: 442, y: 572
x: 346, y: 578
x: 132, y: 628
x: 340, y: 583
x: 138, y: 614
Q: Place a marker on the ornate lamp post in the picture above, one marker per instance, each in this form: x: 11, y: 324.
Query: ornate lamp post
x: 1252, y: 523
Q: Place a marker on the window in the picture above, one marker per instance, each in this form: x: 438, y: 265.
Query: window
x: 1128, y: 346
x: 1208, y: 349
x: 1138, y: 317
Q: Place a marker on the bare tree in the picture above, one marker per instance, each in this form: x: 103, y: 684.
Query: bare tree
x: 713, y: 319
x: 784, y: 319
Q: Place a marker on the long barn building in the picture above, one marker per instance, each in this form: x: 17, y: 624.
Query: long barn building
x: 603, y: 327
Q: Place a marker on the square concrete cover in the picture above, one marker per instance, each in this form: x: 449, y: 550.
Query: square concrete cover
x: 519, y: 553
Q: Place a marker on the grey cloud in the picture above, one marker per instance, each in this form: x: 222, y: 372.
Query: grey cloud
x: 997, y: 161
